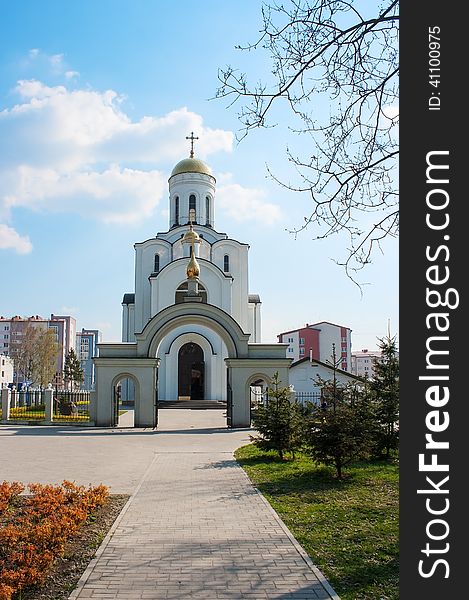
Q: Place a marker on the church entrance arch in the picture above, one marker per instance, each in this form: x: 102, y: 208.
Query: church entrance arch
x: 124, y: 393
x: 191, y: 372
x: 258, y: 391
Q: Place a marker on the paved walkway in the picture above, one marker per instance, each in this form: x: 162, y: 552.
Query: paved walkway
x: 194, y: 526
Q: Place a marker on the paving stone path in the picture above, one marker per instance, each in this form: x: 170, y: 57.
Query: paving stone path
x: 197, y: 528
x: 194, y: 526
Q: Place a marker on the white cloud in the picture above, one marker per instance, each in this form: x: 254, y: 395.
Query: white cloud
x: 71, y: 74
x: 50, y: 64
x: 247, y: 204
x: 117, y: 195
x: 31, y: 88
x: 11, y: 239
x: 74, y: 128
x: 56, y: 60
x: 78, y: 151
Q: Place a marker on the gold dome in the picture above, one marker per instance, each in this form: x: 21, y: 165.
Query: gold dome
x: 191, y: 165
x: 193, y: 269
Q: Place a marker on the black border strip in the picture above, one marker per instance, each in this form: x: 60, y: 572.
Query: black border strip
x: 433, y: 119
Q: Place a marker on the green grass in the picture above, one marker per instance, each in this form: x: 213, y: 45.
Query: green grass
x: 349, y: 528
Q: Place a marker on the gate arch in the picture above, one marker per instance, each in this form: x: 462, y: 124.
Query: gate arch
x: 115, y: 394
x: 212, y: 317
x: 214, y: 368
x: 241, y: 362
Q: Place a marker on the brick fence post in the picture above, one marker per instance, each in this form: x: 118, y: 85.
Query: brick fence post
x: 92, y: 406
x: 49, y: 404
x: 6, y: 401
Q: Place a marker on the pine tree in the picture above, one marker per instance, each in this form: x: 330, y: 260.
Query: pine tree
x: 385, y: 389
x: 73, y: 373
x: 280, y: 421
x: 340, y: 430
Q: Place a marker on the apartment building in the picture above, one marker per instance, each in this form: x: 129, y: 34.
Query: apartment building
x: 317, y: 341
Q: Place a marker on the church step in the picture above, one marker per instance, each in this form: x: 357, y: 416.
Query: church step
x: 192, y: 404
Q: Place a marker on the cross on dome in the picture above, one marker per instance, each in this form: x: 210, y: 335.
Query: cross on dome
x: 191, y: 137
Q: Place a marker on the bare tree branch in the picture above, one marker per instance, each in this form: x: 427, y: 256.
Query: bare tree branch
x: 332, y: 49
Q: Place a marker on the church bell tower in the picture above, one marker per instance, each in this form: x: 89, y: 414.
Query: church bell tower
x: 191, y: 192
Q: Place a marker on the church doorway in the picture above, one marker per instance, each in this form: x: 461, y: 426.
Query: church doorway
x: 191, y: 372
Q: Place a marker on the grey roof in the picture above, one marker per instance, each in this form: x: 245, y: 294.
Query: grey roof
x: 128, y: 299
x: 254, y: 298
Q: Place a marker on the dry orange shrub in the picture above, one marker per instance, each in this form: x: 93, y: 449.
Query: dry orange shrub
x: 51, y: 516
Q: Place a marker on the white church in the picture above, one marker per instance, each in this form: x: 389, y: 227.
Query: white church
x: 191, y: 329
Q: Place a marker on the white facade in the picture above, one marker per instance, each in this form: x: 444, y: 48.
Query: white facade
x: 5, y: 336
x: 292, y: 338
x: 304, y: 375
x: 6, y: 371
x: 188, y: 331
x: 363, y: 362
x: 330, y: 336
x: 161, y: 280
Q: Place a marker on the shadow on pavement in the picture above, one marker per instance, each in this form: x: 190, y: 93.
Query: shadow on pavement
x: 91, y: 431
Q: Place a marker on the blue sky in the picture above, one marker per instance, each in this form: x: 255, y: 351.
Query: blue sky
x: 96, y: 99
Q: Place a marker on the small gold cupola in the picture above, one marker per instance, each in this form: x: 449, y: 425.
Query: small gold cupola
x: 192, y: 237
x: 193, y: 268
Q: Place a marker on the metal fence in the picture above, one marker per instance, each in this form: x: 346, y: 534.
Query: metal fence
x: 27, y: 404
x: 67, y: 406
x: 305, y: 398
x: 71, y: 405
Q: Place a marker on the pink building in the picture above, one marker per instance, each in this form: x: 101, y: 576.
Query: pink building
x: 316, y: 341
x: 63, y: 326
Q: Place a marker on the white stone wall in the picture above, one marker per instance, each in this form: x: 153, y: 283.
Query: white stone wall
x: 128, y: 322
x: 164, y: 286
x: 239, y: 270
x: 303, y: 376
x: 255, y: 323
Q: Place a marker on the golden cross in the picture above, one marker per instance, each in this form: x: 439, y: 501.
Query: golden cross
x: 191, y: 137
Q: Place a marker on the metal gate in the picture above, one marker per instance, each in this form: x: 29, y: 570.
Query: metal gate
x: 155, y: 404
x: 229, y: 401
x: 115, y: 405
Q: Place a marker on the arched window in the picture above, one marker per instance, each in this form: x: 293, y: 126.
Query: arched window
x: 226, y: 263
x: 192, y: 206
x: 176, y: 210
x: 181, y: 292
x: 207, y: 210
x: 156, y: 265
